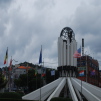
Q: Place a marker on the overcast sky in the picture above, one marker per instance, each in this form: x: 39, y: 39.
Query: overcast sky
x: 25, y: 25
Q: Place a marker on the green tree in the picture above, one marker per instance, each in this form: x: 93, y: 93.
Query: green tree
x: 29, y: 81
x: 3, y: 81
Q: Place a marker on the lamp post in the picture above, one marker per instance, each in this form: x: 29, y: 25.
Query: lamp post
x: 11, y: 81
x: 14, y: 60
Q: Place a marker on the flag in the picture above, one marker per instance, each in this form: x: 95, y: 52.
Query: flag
x: 81, y: 73
x: 10, y: 64
x: 6, y: 56
x: 40, y: 57
x: 36, y: 71
x: 77, y: 54
x: 52, y: 72
x: 43, y: 72
x: 92, y: 72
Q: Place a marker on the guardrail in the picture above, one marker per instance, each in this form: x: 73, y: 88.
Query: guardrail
x: 43, y: 92
x: 89, y: 91
x: 72, y: 92
x: 53, y: 89
x: 57, y: 90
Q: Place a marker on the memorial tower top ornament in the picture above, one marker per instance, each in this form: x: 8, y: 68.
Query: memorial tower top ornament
x: 67, y: 33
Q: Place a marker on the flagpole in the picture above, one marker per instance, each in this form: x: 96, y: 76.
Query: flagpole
x: 54, y: 75
x: 6, y: 62
x: 40, y: 84
x: 44, y: 73
x: 86, y: 69
x: 40, y: 61
x: 27, y: 78
x: 36, y: 77
x: 6, y: 59
x: 9, y: 68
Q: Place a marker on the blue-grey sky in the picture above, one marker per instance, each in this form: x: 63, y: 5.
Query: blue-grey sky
x: 25, y: 25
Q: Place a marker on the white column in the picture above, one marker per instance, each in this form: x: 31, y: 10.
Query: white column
x: 75, y: 49
x: 72, y: 52
x: 62, y: 57
x: 68, y: 52
x: 64, y: 52
x: 59, y: 51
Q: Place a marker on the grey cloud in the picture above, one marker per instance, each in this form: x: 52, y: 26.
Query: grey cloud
x: 4, y: 4
x: 86, y: 22
x: 44, y: 4
x: 88, y: 19
x: 27, y: 29
x: 96, y: 3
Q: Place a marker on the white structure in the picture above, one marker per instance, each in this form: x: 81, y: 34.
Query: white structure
x: 91, y: 93
x: 67, y: 45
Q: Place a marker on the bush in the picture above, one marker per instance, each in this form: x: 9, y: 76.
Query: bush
x: 21, y: 93
x: 60, y: 99
x: 3, y: 84
x: 12, y: 95
x: 13, y: 99
x: 5, y: 99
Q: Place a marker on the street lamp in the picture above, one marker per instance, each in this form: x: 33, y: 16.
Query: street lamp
x: 10, y: 74
x: 14, y: 60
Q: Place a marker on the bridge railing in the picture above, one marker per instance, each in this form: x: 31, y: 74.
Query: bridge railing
x: 89, y: 91
x: 43, y: 92
x: 73, y: 94
x: 57, y: 90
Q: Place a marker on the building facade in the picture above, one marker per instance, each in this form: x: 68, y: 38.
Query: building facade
x: 99, y: 78
x: 88, y: 70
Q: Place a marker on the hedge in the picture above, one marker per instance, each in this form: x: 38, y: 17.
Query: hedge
x: 8, y: 99
x: 3, y: 84
x: 12, y: 95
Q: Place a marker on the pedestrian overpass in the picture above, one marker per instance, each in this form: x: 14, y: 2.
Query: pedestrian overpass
x: 76, y: 88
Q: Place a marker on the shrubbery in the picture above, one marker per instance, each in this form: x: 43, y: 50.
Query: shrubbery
x: 12, y: 95
x: 13, y: 100
x: 3, y: 84
x: 60, y: 99
x: 21, y: 93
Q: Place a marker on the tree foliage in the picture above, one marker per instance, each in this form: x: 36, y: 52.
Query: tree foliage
x: 31, y: 82
x: 3, y: 81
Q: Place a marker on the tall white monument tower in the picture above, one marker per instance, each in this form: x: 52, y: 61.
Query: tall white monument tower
x: 67, y: 45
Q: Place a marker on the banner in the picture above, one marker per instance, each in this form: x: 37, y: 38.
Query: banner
x: 52, y: 72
